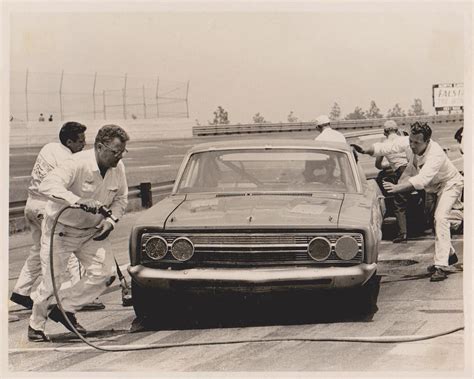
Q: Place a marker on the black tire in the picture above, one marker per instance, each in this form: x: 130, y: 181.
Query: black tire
x: 148, y: 303
x: 365, y: 298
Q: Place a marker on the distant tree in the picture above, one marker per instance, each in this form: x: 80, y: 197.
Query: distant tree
x: 292, y: 117
x: 335, y: 113
x: 358, y: 114
x: 258, y: 118
x: 374, y: 111
x: 396, y: 111
x: 221, y: 117
x: 417, y: 108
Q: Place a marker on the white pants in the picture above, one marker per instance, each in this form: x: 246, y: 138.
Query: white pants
x: 447, y: 197
x: 31, y: 269
x: 95, y: 256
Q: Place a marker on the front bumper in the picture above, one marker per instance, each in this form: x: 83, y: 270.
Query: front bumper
x: 254, y: 279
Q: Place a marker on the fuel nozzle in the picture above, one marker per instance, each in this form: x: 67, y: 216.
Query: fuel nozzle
x: 107, y: 213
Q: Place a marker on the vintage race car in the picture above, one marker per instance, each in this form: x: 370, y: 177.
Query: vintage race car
x: 260, y: 216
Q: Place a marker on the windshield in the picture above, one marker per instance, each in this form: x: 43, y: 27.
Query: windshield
x: 286, y: 170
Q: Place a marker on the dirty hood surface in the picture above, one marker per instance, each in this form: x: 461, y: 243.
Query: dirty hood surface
x: 257, y: 210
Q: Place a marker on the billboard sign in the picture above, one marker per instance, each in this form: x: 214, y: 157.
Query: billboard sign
x: 448, y: 96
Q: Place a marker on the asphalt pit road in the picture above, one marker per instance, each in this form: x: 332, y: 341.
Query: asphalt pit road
x: 438, y: 311
x: 393, y: 263
x: 92, y: 336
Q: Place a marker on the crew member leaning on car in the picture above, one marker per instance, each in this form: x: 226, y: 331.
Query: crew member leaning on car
x: 397, y: 162
x: 434, y: 173
x: 91, y: 178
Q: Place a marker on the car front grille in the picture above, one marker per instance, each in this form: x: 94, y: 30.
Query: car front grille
x: 233, y: 249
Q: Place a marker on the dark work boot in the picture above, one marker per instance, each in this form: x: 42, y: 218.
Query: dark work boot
x: 453, y: 259
x: 24, y: 301
x: 401, y: 238
x: 37, y: 335
x: 438, y: 275
x: 57, y: 316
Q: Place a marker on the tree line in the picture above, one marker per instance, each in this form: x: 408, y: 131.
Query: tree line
x: 221, y: 116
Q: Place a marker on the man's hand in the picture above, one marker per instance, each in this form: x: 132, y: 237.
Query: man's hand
x: 389, y: 187
x: 358, y: 148
x: 89, y: 205
x: 104, y: 229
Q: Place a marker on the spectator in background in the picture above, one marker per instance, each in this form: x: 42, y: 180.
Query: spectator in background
x: 392, y: 171
x: 41, y: 118
x: 50, y: 119
x: 326, y: 132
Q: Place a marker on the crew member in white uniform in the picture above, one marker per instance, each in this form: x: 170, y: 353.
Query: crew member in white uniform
x: 326, y: 132
x: 91, y: 179
x: 51, y: 155
x: 398, y: 163
x: 434, y: 173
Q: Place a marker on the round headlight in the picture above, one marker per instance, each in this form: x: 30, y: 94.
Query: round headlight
x: 347, y: 247
x: 319, y: 249
x: 182, y: 249
x: 156, y: 248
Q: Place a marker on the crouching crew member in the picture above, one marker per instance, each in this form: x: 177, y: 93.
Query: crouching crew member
x: 90, y: 178
x: 433, y: 172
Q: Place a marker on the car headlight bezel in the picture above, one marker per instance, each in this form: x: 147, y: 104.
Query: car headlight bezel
x: 178, y: 256
x: 164, y: 251
x: 349, y: 250
x: 326, y: 254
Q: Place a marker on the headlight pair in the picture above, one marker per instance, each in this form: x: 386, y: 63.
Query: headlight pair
x: 346, y: 248
x: 156, y: 248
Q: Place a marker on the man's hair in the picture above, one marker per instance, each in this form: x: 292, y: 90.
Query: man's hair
x: 421, y: 128
x: 108, y: 133
x: 458, y: 135
x: 71, y: 130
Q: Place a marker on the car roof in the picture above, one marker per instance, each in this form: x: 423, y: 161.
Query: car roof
x: 268, y: 143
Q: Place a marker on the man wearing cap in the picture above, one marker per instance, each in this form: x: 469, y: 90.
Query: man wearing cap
x: 326, y: 133
x: 433, y: 172
x: 397, y: 162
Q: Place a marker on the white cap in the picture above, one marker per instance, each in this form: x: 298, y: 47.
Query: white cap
x: 323, y: 119
x: 390, y: 124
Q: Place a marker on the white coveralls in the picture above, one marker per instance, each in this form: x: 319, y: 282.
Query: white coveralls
x: 78, y: 178
x: 329, y: 134
x: 434, y: 172
x: 48, y: 158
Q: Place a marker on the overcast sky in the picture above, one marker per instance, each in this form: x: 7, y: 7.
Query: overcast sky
x: 270, y: 61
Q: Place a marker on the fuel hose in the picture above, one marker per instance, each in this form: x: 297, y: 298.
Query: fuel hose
x: 112, y: 348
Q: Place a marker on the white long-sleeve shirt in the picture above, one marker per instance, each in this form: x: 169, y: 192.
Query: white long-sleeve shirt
x: 329, y: 134
x: 80, y: 177
x: 396, y: 160
x: 49, y: 157
x: 433, y: 170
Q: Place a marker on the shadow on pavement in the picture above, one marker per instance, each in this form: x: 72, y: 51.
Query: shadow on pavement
x: 235, y: 310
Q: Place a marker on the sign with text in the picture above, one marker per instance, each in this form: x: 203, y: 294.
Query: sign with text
x: 448, y: 96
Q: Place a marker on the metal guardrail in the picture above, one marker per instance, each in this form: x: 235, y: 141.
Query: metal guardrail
x: 200, y: 131
x: 17, y: 208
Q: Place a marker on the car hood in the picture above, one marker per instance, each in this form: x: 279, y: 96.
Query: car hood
x: 257, y: 210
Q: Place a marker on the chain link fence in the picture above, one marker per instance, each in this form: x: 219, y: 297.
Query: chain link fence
x: 65, y: 96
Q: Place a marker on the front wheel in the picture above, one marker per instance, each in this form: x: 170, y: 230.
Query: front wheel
x: 365, y: 298
x: 148, y: 303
